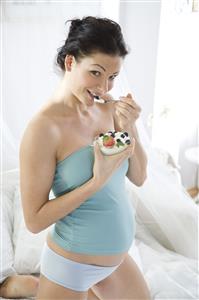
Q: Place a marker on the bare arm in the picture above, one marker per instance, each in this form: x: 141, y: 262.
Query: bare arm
x: 37, y: 167
x: 137, y: 171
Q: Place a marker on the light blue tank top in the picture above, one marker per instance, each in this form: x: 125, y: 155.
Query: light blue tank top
x: 104, y: 224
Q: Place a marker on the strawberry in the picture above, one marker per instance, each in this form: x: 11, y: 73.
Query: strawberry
x: 108, y: 141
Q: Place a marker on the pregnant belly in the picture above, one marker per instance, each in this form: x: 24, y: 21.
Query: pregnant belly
x: 100, y: 260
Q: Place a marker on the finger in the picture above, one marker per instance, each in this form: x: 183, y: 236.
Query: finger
x: 97, y: 148
x: 124, y: 106
x: 121, y: 115
x: 128, y: 107
x: 130, y: 102
x: 118, y: 156
x: 129, y: 96
x: 132, y: 144
x: 126, y: 114
x: 130, y: 151
x: 126, y: 152
x: 124, y: 111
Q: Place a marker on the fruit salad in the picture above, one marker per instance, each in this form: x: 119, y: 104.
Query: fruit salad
x: 113, y: 142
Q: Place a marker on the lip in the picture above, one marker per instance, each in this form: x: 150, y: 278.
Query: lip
x: 90, y: 97
x: 94, y: 95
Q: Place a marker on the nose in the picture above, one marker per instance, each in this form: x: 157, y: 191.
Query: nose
x: 103, y: 87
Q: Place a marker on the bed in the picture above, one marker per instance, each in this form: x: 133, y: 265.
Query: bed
x: 165, y: 247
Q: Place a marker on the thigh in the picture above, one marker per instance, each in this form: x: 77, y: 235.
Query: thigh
x: 126, y: 282
x: 50, y: 290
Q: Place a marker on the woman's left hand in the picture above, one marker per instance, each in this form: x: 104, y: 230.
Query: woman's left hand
x: 127, y: 111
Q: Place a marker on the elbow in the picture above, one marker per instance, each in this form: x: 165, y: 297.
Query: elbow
x: 143, y: 180
x: 33, y: 227
x: 140, y: 181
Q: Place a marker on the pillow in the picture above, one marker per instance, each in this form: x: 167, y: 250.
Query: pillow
x: 9, y: 181
x: 8, y: 185
x: 144, y: 217
x: 162, y: 206
x: 28, y: 246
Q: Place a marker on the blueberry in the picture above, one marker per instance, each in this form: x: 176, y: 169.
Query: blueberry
x: 113, y: 135
x: 126, y: 133
x: 122, y: 135
x: 101, y: 134
x: 128, y: 142
x: 118, y: 140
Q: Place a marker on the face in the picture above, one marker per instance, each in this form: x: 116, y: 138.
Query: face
x: 94, y: 75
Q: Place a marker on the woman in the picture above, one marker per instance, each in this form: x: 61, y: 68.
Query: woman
x: 87, y: 249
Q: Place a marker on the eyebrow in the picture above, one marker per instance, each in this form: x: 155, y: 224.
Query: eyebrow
x: 103, y: 68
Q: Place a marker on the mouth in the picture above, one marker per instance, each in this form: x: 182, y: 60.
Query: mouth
x: 93, y: 96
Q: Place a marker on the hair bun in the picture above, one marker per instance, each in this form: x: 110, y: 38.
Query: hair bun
x: 90, y: 35
x: 75, y: 23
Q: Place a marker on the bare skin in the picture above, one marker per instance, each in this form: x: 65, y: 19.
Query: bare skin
x: 70, y: 121
x: 126, y: 282
x: 25, y: 286
x: 19, y: 286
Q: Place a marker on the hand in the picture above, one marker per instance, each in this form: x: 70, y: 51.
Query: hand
x: 127, y: 111
x: 106, y: 165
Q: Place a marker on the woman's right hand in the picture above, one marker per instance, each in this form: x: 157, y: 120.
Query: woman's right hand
x: 106, y: 165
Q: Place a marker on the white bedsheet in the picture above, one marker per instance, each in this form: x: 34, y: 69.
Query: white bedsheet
x: 170, y: 275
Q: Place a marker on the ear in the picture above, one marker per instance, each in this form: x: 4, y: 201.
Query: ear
x: 69, y: 61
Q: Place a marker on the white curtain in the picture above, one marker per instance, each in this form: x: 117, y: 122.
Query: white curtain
x: 177, y: 92
x: 31, y: 33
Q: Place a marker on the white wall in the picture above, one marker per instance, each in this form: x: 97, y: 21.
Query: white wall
x: 31, y: 36
x: 29, y: 50
x: 140, y: 22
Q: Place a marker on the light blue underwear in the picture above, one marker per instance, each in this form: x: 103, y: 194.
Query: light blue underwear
x: 71, y: 274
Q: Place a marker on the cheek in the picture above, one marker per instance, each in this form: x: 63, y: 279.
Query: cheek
x: 78, y: 81
x: 84, y: 79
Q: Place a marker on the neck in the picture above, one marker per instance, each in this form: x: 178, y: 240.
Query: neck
x: 63, y: 94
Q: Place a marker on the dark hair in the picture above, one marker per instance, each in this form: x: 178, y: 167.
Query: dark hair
x: 89, y: 35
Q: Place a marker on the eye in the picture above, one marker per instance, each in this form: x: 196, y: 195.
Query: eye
x: 95, y: 73
x: 112, y: 77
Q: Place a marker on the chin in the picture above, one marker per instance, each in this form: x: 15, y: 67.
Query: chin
x: 88, y: 102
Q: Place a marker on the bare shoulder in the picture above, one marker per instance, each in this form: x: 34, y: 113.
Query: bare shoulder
x: 45, y: 123
x: 41, y: 137
x: 41, y: 129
